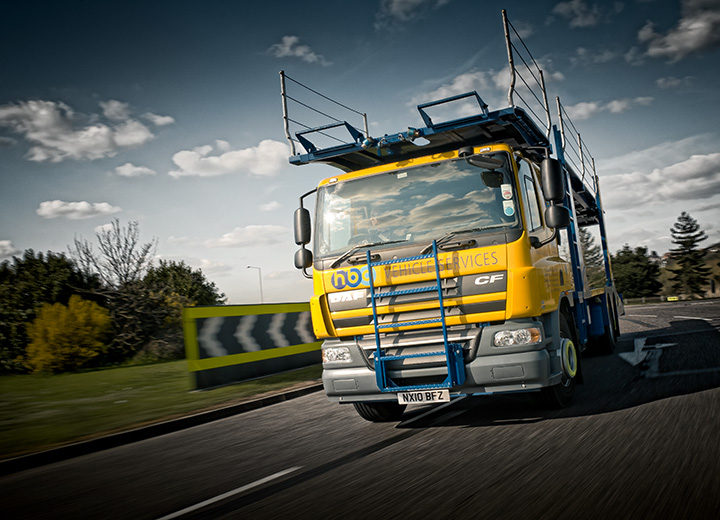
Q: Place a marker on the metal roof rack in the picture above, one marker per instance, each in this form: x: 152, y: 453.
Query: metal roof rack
x: 581, y: 166
x: 525, y: 124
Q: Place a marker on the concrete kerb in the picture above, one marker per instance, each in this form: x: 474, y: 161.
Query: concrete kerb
x: 42, y: 458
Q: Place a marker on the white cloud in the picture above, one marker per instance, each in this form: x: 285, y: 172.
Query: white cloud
x: 478, y: 80
x: 486, y: 84
x: 692, y: 179
x: 290, y: 47
x: 697, y: 30
x: 132, y: 133
x: 267, y: 158
x: 660, y: 155
x: 644, y: 190
x: 289, y: 276
x: 251, y: 236
x: 172, y: 239
x: 587, y: 109
x: 491, y: 85
x: 586, y: 57
x: 115, y: 110
x: 56, y: 132
x: 103, y: 228
x: 159, y: 120
x: 7, y: 249
x: 130, y: 170
x: 75, y: 210
x: 634, y: 56
x: 270, y: 206
x: 671, y: 82
x: 394, y: 12
x: 209, y: 267
x: 524, y: 29
x: 579, y: 13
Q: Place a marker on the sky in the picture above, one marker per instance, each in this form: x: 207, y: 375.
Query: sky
x: 169, y: 113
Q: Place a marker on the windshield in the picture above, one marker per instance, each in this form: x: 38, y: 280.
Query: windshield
x: 416, y: 205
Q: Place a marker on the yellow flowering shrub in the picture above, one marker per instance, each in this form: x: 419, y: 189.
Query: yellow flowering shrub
x: 67, y: 338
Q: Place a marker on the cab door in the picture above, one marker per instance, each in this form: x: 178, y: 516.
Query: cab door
x: 552, y: 268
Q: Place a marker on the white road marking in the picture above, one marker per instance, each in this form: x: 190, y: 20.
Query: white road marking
x: 637, y: 356
x: 640, y: 315
x: 662, y: 345
x: 229, y: 494
x: 691, y: 318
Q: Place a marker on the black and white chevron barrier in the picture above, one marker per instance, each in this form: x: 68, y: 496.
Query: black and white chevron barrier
x: 230, y: 343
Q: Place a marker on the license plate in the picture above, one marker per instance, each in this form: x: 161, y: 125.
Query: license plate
x: 424, y: 396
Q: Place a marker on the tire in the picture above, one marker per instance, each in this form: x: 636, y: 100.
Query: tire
x: 605, y: 344
x: 562, y: 394
x: 380, y: 412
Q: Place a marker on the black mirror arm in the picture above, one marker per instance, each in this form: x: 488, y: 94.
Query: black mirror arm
x: 537, y: 243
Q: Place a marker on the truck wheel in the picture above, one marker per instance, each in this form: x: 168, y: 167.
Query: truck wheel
x: 380, y: 412
x: 561, y: 395
x: 605, y: 344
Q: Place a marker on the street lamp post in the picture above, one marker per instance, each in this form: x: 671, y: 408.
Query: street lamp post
x: 262, y: 300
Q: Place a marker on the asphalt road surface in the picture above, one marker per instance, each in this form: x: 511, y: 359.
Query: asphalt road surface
x: 642, y: 440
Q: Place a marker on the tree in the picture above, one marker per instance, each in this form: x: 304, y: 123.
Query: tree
x: 593, y: 258
x: 180, y: 279
x: 67, y: 338
x: 691, y: 273
x: 174, y: 285
x: 121, y: 265
x: 122, y: 259
x: 636, y: 274
x: 26, y: 283
x: 145, y: 302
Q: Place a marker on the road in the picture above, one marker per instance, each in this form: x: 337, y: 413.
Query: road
x: 640, y: 441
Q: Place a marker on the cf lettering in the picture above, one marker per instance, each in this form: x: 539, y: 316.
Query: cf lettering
x: 488, y: 279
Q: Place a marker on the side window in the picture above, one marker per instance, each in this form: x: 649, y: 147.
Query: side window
x: 532, y: 208
x: 564, y: 245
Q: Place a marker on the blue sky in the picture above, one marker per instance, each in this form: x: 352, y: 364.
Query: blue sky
x: 169, y: 113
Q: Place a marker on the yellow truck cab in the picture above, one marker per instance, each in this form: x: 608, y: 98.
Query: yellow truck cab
x: 446, y: 260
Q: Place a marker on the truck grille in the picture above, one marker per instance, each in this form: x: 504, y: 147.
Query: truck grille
x: 352, y: 315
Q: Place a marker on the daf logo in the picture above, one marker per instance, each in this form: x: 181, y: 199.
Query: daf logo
x: 489, y: 279
x: 347, y: 296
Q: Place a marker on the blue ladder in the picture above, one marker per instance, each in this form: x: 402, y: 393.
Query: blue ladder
x: 452, y: 352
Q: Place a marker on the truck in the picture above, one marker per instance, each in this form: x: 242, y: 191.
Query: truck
x: 446, y: 259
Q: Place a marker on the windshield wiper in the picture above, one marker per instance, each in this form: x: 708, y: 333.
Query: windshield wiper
x: 446, y: 237
x: 350, y: 251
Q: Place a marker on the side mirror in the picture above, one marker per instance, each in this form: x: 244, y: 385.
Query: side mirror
x: 303, y: 258
x: 553, y: 180
x: 557, y: 217
x: 302, y: 226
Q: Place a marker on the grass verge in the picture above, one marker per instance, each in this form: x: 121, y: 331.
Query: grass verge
x: 43, y: 411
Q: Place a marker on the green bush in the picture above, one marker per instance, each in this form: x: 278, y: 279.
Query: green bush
x: 67, y: 338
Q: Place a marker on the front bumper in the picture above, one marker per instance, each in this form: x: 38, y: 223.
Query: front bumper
x: 488, y: 369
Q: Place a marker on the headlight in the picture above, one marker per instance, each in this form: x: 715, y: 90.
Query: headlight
x: 336, y: 355
x: 513, y: 338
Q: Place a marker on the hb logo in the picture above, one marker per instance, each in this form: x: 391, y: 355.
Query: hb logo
x: 352, y: 278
